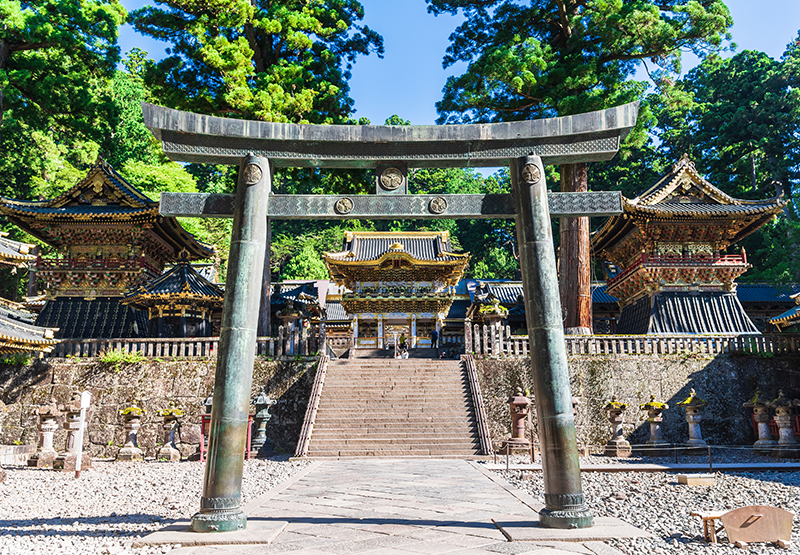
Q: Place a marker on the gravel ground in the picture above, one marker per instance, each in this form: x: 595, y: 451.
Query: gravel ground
x: 657, y: 503
x: 112, y: 504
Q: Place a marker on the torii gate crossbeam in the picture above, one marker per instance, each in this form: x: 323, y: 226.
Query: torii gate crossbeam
x: 260, y: 146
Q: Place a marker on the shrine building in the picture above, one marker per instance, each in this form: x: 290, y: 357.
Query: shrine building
x: 178, y: 303
x: 665, y: 260
x: 111, y: 238
x: 396, y: 284
x: 18, y: 334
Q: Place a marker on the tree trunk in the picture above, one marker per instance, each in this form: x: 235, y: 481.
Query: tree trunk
x: 574, y: 260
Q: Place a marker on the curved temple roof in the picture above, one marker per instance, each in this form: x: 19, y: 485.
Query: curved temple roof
x: 684, y: 195
x: 180, y: 284
x: 103, y: 197
x: 190, y: 137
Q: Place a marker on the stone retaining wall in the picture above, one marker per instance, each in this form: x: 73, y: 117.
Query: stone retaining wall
x: 724, y: 381
x: 153, y: 384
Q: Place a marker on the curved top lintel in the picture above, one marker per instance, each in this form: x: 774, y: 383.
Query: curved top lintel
x: 587, y: 137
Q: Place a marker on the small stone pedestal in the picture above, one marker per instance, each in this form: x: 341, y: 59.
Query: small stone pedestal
x: 655, y: 446
x: 45, y: 453
x: 764, y: 445
x: 784, y: 418
x: 169, y: 451
x: 132, y: 421
x: 617, y: 446
x: 261, y: 446
x: 694, y: 414
x: 66, y: 461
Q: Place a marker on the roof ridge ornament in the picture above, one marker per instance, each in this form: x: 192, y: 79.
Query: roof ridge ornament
x: 684, y: 162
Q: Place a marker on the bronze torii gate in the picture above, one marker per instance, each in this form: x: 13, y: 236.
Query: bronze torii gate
x: 260, y: 146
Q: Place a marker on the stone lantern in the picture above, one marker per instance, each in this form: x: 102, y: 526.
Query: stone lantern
x: 520, y: 408
x: 656, y: 442
x: 694, y: 408
x: 66, y: 460
x: 132, y: 421
x: 208, y: 402
x: 617, y: 446
x: 45, y: 453
x: 764, y: 444
x: 169, y: 451
x: 784, y: 418
x: 260, y: 443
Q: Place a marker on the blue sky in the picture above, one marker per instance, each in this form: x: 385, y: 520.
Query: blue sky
x: 408, y: 81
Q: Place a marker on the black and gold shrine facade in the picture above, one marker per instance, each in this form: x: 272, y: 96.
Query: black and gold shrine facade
x: 396, y: 257
x: 665, y: 255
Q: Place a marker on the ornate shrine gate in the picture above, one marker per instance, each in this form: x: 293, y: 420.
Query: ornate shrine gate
x: 391, y: 150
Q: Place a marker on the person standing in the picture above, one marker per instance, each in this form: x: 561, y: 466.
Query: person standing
x: 435, y: 339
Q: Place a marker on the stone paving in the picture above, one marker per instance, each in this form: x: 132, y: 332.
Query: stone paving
x: 403, y: 506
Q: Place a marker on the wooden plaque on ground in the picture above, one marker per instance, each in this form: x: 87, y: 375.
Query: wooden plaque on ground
x: 758, y: 523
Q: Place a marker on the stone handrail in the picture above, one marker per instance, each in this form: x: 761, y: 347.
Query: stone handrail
x: 311, y: 409
x: 477, y: 401
x: 293, y: 344
x: 498, y: 341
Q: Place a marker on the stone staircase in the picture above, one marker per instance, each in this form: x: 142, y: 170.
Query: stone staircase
x: 386, y: 407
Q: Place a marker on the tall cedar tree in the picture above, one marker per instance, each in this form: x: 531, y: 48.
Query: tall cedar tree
x: 283, y: 61
x: 53, y: 53
x: 545, y: 58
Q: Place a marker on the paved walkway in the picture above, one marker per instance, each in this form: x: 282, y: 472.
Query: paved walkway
x: 396, y: 507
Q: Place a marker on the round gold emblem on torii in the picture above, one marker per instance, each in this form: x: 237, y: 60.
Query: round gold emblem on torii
x: 391, y: 179
x: 252, y: 174
x: 531, y: 173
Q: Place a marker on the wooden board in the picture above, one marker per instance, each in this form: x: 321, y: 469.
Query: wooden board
x: 758, y: 523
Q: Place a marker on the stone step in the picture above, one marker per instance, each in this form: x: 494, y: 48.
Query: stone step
x: 379, y: 442
x: 394, y: 453
x: 396, y: 434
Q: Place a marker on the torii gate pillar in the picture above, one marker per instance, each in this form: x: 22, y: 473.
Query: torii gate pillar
x: 220, y: 504
x: 563, y: 494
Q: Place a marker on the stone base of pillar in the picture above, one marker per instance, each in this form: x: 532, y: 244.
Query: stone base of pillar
x: 620, y: 449
x: 168, y: 453
x: 43, y: 459
x: 262, y: 451
x: 66, y: 462
x: 130, y: 454
x: 565, y: 512
x: 219, y: 520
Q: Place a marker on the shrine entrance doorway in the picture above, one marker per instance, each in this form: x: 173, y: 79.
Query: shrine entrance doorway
x: 257, y: 147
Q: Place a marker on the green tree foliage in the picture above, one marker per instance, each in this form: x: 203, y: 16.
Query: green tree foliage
x: 306, y: 264
x: 53, y: 54
x: 286, y: 60
x: 543, y: 58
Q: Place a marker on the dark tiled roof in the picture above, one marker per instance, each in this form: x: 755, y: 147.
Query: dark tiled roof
x: 372, y: 246
x: 303, y: 293
x: 700, y: 209
x: 679, y: 313
x: 335, y: 312
x: 103, y: 318
x: 458, y: 310
x: 600, y: 295
x: 764, y: 293
x: 125, y: 204
x: 19, y: 334
x: 791, y: 314
x: 14, y: 253
x: 182, y: 280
